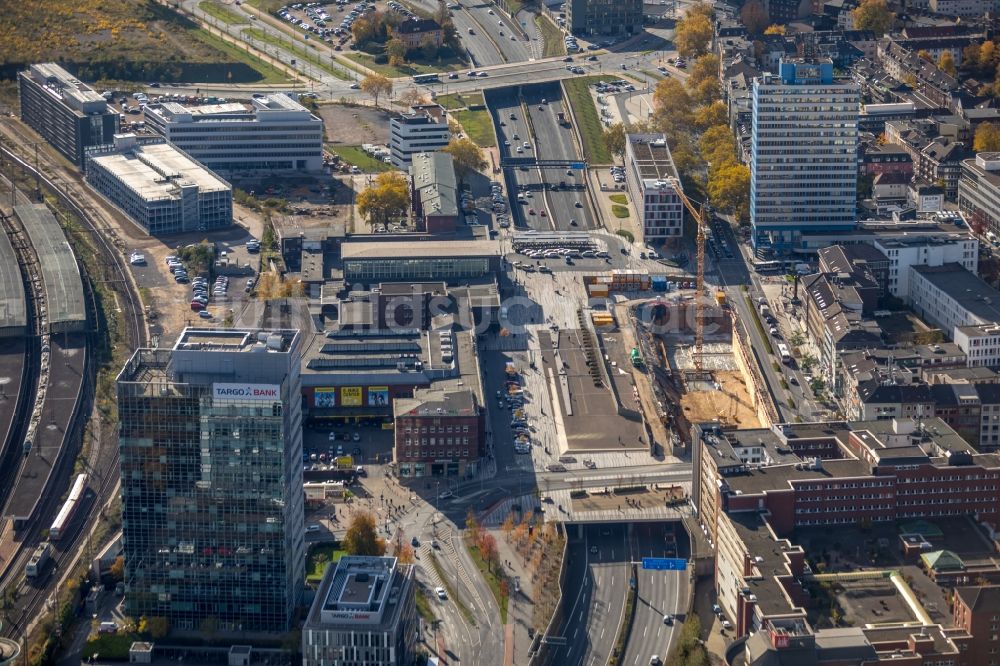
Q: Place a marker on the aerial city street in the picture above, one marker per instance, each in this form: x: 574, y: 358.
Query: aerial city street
x: 500, y: 332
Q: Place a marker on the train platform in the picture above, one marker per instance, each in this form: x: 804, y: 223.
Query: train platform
x: 12, y: 352
x: 67, y: 363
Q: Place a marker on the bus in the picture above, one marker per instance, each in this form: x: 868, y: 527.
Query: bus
x: 426, y: 78
x: 775, y: 266
x: 783, y: 353
x: 68, y: 509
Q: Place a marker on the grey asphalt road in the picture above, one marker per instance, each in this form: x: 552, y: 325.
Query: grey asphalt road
x: 482, y: 51
x: 555, y: 142
x: 594, y: 612
x: 659, y: 593
x: 491, y: 24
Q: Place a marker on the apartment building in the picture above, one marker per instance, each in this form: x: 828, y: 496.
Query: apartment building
x: 964, y: 307
x: 925, y: 249
x: 211, y: 480
x: 160, y: 188
x: 271, y: 134
x: 654, y: 186
x: 423, y: 130
x: 439, y: 432
x: 68, y: 114
x: 803, y: 167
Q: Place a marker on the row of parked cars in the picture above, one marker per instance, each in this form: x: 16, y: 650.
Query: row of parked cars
x: 514, y: 401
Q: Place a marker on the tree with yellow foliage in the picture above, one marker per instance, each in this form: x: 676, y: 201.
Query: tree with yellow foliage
x: 775, y: 29
x: 987, y: 139
x: 706, y: 67
x: 947, y: 63
x: 710, y: 115
x: 468, y: 157
x: 924, y: 54
x: 694, y: 32
x: 729, y: 189
x: 387, y: 199
x: 672, y: 106
x: 873, y: 15
x: 376, y: 85
x: 718, y: 146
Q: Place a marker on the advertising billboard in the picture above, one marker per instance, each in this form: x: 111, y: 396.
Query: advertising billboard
x: 246, y: 392
x: 378, y: 396
x: 325, y: 398
x: 350, y: 396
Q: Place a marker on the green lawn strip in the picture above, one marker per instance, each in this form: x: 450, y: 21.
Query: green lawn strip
x: 619, y: 199
x: 493, y: 580
x: 269, y: 6
x: 269, y: 72
x: 454, y: 101
x: 585, y: 113
x: 320, y: 557
x: 619, y: 211
x: 424, y: 605
x: 359, y: 158
x: 109, y: 646
x: 409, y: 69
x: 478, y: 126
x: 449, y: 588
x: 306, y: 53
x: 760, y: 326
x: 221, y: 12
x: 552, y: 37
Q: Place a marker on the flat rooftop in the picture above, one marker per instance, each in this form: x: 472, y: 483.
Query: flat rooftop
x: 257, y: 109
x: 360, y: 591
x: 60, y: 274
x: 411, y: 249
x: 66, y: 87
x: 235, y: 340
x: 652, y: 157
x: 966, y: 288
x: 155, y: 171
x: 13, y: 314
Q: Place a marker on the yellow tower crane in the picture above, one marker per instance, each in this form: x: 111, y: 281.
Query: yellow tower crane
x: 699, y: 302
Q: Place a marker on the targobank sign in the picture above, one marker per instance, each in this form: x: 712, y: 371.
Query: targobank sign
x: 253, y: 392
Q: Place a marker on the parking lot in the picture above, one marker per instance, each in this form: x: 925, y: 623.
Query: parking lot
x: 367, y: 444
x: 331, y: 22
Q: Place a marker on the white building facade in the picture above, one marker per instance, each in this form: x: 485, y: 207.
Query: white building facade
x: 923, y: 251
x: 654, y: 186
x: 273, y: 134
x: 423, y: 130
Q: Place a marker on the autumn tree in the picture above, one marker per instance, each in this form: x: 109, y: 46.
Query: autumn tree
x: 718, y: 145
x: 754, y: 17
x: 403, y: 550
x: 362, y: 536
x: 376, y: 85
x: 363, y: 30
x: 118, y: 568
x: 411, y: 97
x: 487, y: 545
x: 729, y: 189
x: 386, y: 199
x: 987, y: 139
x: 947, y: 63
x: 710, y: 115
x: 705, y: 68
x: 924, y: 54
x: 873, y: 15
x: 395, y: 49
x: 987, y: 54
x: 672, y: 107
x: 694, y: 32
x: 614, y: 139
x: 472, y: 525
x: 775, y: 29
x: 468, y: 157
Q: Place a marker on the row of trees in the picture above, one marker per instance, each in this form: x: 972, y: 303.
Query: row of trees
x: 693, y: 33
x: 373, y: 33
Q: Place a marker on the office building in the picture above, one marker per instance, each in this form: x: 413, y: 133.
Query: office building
x: 595, y: 18
x: 211, y: 478
x: 67, y: 113
x: 803, y: 166
x: 439, y: 433
x: 434, y: 192
x: 965, y: 308
x: 270, y: 134
x: 979, y: 192
x: 363, y: 614
x: 163, y: 190
x: 423, y: 130
x: 904, y: 251
x: 653, y: 184
x: 447, y: 261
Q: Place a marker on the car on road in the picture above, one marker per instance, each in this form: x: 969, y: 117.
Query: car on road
x: 543, y: 213
x: 137, y: 259
x: 531, y: 211
x: 572, y: 223
x: 655, y: 660
x: 520, y: 149
x: 578, y: 204
x: 415, y: 542
x: 726, y: 624
x: 441, y: 594
x: 447, y: 494
x: 593, y: 550
x: 793, y: 380
x: 205, y: 314
x: 356, y: 437
x: 332, y: 437
x: 668, y: 619
x: 355, y: 86
x: 454, y: 75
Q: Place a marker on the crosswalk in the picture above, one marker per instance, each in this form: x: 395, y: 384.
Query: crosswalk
x: 499, y: 513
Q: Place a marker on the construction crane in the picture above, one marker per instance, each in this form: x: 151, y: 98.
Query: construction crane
x: 699, y: 313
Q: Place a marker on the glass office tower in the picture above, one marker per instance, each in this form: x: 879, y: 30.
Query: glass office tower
x: 211, y: 475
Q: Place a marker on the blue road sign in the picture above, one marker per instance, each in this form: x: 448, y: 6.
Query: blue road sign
x: 579, y: 166
x: 664, y: 563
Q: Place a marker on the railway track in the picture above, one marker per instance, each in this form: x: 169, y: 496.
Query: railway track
x: 33, y: 601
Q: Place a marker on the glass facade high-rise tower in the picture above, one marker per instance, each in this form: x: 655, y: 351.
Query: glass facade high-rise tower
x: 803, y: 167
x: 211, y: 476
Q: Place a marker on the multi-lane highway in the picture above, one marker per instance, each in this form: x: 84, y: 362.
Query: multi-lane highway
x: 492, y: 24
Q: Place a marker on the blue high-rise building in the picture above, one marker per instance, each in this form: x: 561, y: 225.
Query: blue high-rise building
x: 803, y: 167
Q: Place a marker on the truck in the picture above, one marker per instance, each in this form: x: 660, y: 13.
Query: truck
x: 38, y: 560
x: 636, y: 357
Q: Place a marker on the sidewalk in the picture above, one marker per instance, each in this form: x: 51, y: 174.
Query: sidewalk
x: 521, y: 606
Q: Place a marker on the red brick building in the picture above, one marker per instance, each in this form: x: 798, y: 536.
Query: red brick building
x: 977, y: 611
x: 439, y: 433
